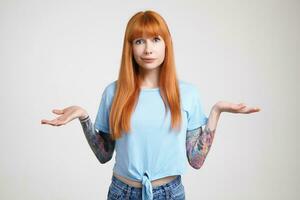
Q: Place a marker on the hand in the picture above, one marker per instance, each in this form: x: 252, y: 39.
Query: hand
x: 66, y: 115
x: 223, y: 106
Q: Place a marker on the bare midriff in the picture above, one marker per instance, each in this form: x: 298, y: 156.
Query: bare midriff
x: 137, y: 184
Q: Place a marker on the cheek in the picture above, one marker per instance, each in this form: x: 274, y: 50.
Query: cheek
x: 133, y: 51
x: 136, y: 52
x: 162, y: 53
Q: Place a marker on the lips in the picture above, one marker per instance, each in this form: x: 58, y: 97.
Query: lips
x: 148, y: 60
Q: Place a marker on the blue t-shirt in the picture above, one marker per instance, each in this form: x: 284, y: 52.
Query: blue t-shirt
x: 152, y: 150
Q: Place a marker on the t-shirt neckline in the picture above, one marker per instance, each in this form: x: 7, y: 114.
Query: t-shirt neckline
x: 149, y: 89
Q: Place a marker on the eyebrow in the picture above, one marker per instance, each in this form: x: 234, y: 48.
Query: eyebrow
x: 138, y: 38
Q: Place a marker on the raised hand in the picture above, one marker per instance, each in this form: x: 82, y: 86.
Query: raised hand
x: 66, y: 115
x: 224, y: 106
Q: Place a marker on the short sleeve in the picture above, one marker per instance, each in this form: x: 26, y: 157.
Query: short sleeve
x: 102, y: 118
x: 196, y: 115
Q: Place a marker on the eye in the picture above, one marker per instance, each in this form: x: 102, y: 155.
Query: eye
x: 157, y: 39
x: 138, y: 41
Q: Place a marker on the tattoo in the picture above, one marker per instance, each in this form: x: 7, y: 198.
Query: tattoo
x: 198, y: 143
x: 100, y: 142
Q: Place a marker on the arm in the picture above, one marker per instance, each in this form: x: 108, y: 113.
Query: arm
x: 101, y: 143
x: 199, y: 141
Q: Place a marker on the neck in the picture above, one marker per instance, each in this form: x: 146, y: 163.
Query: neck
x: 150, y: 78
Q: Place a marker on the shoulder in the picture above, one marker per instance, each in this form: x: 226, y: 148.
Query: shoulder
x: 109, y: 89
x: 111, y: 86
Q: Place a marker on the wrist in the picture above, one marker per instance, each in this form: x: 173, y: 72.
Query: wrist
x: 83, y: 116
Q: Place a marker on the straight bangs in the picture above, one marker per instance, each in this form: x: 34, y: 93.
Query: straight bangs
x: 145, y: 27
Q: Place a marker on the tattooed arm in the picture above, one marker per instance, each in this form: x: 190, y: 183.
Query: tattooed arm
x: 101, y: 143
x: 199, y: 141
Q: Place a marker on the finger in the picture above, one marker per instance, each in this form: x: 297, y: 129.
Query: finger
x: 44, y: 121
x: 58, y: 122
x: 57, y: 111
x: 249, y: 110
x: 253, y: 109
x: 53, y: 122
x: 257, y: 109
x: 240, y: 106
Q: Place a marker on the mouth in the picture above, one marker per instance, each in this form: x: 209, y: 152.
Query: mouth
x: 148, y: 60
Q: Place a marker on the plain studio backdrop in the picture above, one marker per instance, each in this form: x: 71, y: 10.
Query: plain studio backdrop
x: 55, y: 54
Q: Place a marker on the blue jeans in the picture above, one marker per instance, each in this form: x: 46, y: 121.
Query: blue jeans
x: 173, y: 190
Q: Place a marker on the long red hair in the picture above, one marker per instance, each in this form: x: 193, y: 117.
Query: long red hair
x: 147, y: 23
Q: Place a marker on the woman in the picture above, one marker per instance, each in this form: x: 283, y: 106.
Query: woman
x: 154, y: 121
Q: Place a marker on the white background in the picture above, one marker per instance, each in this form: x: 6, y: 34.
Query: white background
x: 54, y: 54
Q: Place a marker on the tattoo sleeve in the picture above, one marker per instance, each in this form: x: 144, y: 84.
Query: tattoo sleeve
x: 101, y: 143
x: 198, y: 143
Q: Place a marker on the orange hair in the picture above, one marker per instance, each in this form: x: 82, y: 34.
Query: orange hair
x: 151, y: 24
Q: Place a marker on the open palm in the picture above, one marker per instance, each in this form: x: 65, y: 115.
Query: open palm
x: 66, y: 115
x: 225, y: 106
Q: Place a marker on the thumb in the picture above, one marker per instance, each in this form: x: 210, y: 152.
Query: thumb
x: 241, y: 105
x: 57, y: 111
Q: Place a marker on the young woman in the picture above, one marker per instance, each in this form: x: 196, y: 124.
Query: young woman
x: 154, y: 121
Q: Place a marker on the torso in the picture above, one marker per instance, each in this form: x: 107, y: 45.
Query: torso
x: 138, y: 184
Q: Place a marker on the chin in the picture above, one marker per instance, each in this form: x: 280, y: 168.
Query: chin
x: 149, y: 68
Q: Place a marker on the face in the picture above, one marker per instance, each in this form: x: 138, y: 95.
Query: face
x: 149, y: 53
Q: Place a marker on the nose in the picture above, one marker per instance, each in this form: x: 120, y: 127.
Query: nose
x: 148, y: 48
x: 148, y: 52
